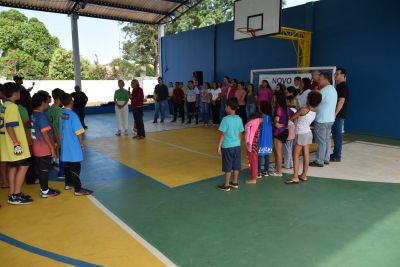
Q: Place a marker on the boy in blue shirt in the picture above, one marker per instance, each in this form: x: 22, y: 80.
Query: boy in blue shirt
x: 71, y: 142
x: 229, y: 145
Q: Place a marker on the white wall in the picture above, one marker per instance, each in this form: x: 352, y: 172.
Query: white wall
x: 97, y: 91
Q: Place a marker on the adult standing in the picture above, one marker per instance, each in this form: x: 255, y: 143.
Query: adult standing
x: 341, y: 106
x: 192, y: 97
x: 240, y: 95
x: 137, y: 99
x: 161, y: 97
x: 80, y: 101
x: 231, y: 93
x: 170, y: 100
x: 121, y: 99
x: 264, y: 93
x: 215, y: 102
x: 251, y: 100
x: 297, y: 83
x: 315, y: 80
x: 324, y: 120
x: 224, y: 89
x: 179, y: 102
x: 305, y: 89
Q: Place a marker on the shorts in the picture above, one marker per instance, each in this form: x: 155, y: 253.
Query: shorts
x: 283, y: 136
x: 304, y: 139
x: 18, y: 163
x: 43, y: 163
x: 231, y: 159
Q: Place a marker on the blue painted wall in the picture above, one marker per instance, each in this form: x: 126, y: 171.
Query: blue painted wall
x: 360, y: 36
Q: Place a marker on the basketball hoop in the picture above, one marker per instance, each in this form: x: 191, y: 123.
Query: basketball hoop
x: 248, y: 31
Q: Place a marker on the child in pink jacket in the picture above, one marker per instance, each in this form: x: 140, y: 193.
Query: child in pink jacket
x: 252, y: 131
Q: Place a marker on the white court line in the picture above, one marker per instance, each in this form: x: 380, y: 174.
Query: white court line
x: 188, y: 149
x: 132, y: 233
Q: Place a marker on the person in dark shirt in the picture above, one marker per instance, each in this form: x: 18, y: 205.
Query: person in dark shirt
x: 178, y: 98
x: 161, y: 100
x: 337, y: 128
x: 137, y: 98
x: 80, y: 101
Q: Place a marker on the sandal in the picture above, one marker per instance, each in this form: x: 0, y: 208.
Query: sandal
x: 291, y: 181
x: 302, y: 179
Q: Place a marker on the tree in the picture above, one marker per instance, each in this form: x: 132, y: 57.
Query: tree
x: 124, y: 69
x: 62, y: 66
x: 142, y: 46
x: 26, y: 46
x: 97, y: 71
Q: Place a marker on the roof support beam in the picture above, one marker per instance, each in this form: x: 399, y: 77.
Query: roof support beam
x: 124, y: 6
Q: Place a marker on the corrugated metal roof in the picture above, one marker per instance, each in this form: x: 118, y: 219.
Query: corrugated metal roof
x: 139, y: 11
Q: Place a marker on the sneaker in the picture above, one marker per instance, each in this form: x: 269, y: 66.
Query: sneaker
x: 259, y: 176
x: 326, y: 162
x: 67, y: 187
x: 234, y: 185
x: 265, y: 174
x: 224, y: 188
x: 154, y: 121
x: 82, y: 192
x: 49, y: 193
x: 335, y: 160
x: 315, y: 164
x: 25, y: 196
x: 276, y: 174
x: 17, y: 199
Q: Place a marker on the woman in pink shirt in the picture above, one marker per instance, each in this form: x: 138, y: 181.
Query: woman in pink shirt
x: 240, y: 94
x: 224, y: 89
x: 231, y: 93
x: 265, y: 93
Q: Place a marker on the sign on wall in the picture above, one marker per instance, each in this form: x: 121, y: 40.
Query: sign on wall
x: 286, y: 79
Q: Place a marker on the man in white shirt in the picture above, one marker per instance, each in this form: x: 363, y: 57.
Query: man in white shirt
x: 324, y: 120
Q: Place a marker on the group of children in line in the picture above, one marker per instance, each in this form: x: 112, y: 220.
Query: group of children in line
x: 281, y: 126
x: 33, y: 135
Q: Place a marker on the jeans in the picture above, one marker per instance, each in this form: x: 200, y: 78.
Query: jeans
x: 205, y: 112
x: 138, y: 118
x: 266, y: 166
x: 222, y: 109
x: 216, y: 111
x: 171, y: 106
x: 160, y: 108
x: 288, y: 154
x: 337, y: 130
x: 323, y: 139
x: 250, y: 109
x: 192, y: 110
x: 81, y: 114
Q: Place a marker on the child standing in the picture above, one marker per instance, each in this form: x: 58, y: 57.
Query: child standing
x: 42, y: 143
x: 288, y: 147
x: 191, y: 97
x: 229, y: 145
x: 265, y: 139
x: 54, y: 114
x: 121, y: 99
x: 71, y: 131
x: 304, y: 117
x: 205, y: 102
x: 252, y: 131
x: 14, y: 145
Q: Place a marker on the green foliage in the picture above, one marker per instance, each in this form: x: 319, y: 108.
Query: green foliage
x: 142, y: 46
x: 123, y: 69
x: 62, y: 66
x: 26, y: 46
x: 97, y: 71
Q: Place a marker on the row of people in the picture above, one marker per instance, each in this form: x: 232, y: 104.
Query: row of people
x: 281, y: 127
x: 33, y: 141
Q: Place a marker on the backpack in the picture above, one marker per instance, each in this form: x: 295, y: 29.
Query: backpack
x: 265, y: 138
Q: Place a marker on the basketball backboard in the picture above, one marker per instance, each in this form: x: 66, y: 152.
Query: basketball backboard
x: 257, y: 18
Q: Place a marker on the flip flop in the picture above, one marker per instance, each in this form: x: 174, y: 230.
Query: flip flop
x: 304, y: 180
x: 291, y: 181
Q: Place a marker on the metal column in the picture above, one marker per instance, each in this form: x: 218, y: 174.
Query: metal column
x: 75, y: 49
x: 160, y: 35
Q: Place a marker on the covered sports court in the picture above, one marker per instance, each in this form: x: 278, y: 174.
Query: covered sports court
x: 155, y: 202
